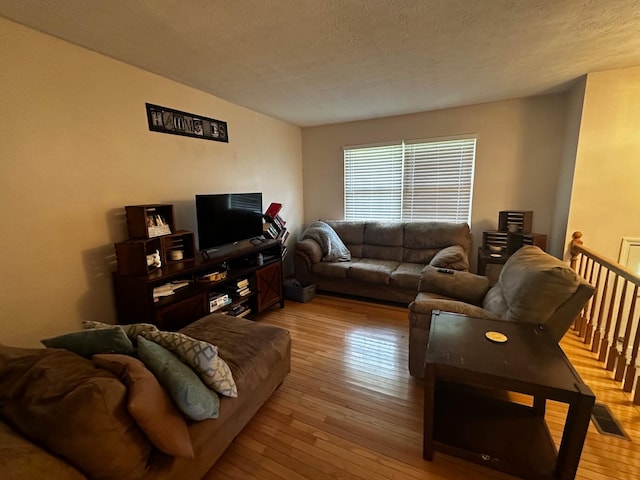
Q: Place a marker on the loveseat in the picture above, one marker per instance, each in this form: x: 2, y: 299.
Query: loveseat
x: 64, y: 417
x: 533, y: 287
x: 382, y: 260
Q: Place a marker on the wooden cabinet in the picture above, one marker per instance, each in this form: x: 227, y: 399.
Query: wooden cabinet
x: 514, y: 231
x: 149, y: 221
x: 269, y: 286
x: 181, y: 285
x: 181, y: 313
x: 137, y: 298
x: 152, y: 231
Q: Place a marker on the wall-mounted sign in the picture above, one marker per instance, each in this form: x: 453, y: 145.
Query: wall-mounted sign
x: 168, y: 120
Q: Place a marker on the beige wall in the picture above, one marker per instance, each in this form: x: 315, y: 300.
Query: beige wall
x: 76, y: 148
x: 605, y: 202
x: 558, y: 244
x: 518, y: 157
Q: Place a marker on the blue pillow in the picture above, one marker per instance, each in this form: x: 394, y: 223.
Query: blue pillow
x: 186, y: 389
x: 91, y: 342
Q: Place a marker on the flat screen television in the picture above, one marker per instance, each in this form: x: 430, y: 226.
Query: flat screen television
x: 227, y: 218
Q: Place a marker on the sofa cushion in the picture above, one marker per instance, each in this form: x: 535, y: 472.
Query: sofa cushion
x: 419, y: 255
x: 150, y: 405
x: 201, y: 356
x: 388, y: 234
x: 464, y: 286
x: 186, y: 389
x: 407, y: 276
x: 351, y: 233
x: 380, y: 252
x: 90, y: 342
x: 23, y: 459
x: 383, y: 241
x: 335, y: 269
x: 422, y: 240
x: 65, y: 403
x: 252, y: 349
x: 532, y: 285
x: 373, y: 271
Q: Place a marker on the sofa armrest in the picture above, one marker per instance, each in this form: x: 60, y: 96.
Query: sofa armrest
x: 463, y: 286
x: 310, y: 250
x: 453, y: 257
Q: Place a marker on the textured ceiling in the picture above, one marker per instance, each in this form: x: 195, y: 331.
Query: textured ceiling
x: 313, y: 62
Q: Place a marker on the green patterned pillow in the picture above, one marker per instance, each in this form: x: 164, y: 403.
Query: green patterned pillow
x: 90, y: 342
x: 190, y: 395
x: 131, y: 330
x: 201, y: 356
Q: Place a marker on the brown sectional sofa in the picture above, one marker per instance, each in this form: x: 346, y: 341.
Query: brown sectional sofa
x: 259, y: 358
x: 387, y: 258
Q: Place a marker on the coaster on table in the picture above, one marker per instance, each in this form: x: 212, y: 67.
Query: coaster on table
x: 496, y: 337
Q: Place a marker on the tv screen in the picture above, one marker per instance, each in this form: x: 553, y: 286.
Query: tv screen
x: 228, y: 218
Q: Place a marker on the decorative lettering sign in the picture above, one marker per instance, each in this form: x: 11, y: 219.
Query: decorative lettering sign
x: 168, y: 120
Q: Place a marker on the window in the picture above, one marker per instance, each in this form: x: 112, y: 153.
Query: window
x: 410, y: 181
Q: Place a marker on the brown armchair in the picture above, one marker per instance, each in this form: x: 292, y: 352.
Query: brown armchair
x: 533, y: 287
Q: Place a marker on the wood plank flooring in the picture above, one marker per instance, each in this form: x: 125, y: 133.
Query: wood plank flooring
x: 350, y: 410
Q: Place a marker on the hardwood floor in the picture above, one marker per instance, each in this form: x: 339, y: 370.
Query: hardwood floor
x: 350, y: 410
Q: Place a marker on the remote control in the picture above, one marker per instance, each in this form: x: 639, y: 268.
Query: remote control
x: 445, y: 270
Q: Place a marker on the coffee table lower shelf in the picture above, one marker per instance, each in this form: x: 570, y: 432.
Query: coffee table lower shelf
x: 481, y: 427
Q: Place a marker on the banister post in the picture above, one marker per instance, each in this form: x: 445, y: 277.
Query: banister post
x: 575, y: 241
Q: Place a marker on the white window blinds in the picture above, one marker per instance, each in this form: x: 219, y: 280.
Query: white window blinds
x: 417, y: 181
x: 373, y: 183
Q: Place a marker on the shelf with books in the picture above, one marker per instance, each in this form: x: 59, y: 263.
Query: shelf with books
x: 239, y: 288
x: 274, y: 225
x: 178, y: 293
x: 218, y: 300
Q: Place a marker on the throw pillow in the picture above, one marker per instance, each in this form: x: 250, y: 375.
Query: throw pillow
x: 333, y: 248
x: 201, y: 356
x: 77, y: 411
x: 131, y: 330
x: 453, y: 256
x: 191, y: 396
x: 150, y: 405
x: 90, y: 342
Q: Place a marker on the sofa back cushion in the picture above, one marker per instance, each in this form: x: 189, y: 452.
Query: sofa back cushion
x: 412, y: 242
x: 532, y: 286
x: 74, y: 409
x: 351, y: 233
x: 422, y: 240
x: 383, y: 241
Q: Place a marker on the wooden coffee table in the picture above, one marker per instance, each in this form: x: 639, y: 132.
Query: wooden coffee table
x: 469, y: 413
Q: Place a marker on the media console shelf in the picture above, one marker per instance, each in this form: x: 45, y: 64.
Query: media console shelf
x: 174, y: 295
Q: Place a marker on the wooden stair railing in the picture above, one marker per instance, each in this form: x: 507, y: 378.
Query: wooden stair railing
x: 609, y: 322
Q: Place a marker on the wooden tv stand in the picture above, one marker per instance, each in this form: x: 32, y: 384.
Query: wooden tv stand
x: 259, y: 262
